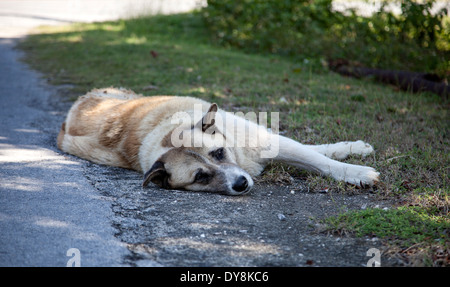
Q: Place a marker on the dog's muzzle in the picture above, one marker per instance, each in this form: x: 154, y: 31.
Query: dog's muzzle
x: 239, y: 182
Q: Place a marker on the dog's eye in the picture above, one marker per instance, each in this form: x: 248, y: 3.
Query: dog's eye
x: 218, y: 154
x: 202, y: 177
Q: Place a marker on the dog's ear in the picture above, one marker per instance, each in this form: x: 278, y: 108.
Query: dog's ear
x: 157, y: 174
x: 208, y: 119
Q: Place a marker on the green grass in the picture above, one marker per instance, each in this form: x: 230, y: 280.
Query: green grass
x: 174, y: 55
x: 407, y: 228
x: 406, y: 225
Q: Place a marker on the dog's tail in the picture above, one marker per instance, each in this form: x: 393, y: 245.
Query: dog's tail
x: 61, y: 135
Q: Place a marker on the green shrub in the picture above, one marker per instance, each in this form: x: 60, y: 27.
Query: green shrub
x: 414, y: 40
x: 274, y: 26
x: 408, y: 41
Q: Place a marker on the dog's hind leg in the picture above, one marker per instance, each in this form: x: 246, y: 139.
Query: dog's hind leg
x: 342, y: 150
x: 305, y: 157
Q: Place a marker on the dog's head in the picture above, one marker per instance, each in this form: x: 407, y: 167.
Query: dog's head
x: 205, y: 166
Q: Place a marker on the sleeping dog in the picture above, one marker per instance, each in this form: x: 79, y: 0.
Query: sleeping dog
x: 187, y: 143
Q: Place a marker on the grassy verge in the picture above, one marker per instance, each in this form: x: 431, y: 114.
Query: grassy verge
x: 173, y: 55
x: 413, y: 232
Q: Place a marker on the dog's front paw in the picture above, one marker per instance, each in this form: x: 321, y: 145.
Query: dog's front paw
x: 342, y: 150
x: 361, y: 148
x: 364, y: 176
x: 358, y: 175
x: 370, y: 177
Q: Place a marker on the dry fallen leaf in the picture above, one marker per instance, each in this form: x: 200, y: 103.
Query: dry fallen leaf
x: 154, y: 54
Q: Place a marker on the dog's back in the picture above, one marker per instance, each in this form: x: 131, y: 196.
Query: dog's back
x: 107, y: 126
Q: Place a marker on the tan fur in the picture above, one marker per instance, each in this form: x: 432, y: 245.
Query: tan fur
x: 108, y: 126
x: 61, y: 134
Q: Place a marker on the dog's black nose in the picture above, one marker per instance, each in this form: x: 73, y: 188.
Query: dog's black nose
x: 240, y: 184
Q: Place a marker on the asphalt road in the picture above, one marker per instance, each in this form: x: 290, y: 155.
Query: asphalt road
x: 47, y: 204
x: 52, y: 203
